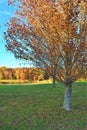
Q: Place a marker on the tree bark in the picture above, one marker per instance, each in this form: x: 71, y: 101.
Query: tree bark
x: 67, y: 105
x: 53, y: 83
x: 54, y: 77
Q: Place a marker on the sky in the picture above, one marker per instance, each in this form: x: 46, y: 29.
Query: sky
x: 7, y: 59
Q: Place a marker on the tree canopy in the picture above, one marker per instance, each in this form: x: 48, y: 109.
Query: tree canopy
x: 53, y: 34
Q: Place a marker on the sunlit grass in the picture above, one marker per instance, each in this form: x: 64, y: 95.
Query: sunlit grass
x: 19, y: 81
x: 39, y: 107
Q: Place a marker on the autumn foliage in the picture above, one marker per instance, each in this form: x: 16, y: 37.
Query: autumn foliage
x: 53, y: 35
x: 29, y: 74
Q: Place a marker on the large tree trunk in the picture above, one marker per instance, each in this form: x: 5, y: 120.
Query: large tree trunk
x: 67, y: 97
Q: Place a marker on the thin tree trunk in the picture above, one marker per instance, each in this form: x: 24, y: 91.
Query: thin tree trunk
x: 53, y: 83
x: 67, y: 105
x: 54, y: 77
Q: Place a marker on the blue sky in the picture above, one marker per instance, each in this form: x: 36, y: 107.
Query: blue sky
x: 6, y: 59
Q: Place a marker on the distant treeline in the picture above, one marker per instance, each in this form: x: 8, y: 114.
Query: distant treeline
x: 31, y: 74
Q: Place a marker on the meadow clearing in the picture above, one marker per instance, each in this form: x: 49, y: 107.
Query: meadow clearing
x: 39, y: 107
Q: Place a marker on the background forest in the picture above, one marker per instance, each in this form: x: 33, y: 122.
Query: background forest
x: 28, y: 74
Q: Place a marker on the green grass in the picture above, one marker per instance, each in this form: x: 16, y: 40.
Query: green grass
x: 39, y: 107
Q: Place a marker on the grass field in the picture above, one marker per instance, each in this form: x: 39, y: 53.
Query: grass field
x: 39, y: 107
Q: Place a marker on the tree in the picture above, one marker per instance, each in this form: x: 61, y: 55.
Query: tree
x: 52, y: 34
x: 3, y: 69
x: 17, y: 73
x: 1, y: 75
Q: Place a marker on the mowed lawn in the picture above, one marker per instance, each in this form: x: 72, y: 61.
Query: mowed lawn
x: 39, y: 107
